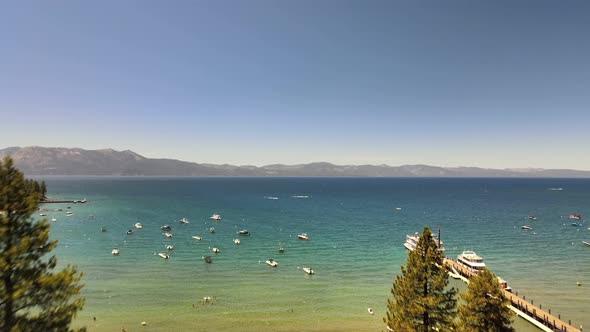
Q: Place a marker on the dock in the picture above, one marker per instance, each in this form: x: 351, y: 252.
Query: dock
x: 49, y: 201
x: 523, y: 308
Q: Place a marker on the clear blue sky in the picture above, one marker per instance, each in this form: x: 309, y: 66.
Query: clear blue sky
x: 475, y: 83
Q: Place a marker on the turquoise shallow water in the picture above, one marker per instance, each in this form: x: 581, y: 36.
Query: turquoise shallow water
x: 356, y: 247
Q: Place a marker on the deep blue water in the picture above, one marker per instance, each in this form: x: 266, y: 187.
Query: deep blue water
x: 356, y: 246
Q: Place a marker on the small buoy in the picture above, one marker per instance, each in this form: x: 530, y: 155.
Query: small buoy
x: 143, y: 323
x: 578, y: 283
x: 370, y: 310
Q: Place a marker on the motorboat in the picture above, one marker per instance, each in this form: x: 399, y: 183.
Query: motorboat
x: 115, y: 251
x: 166, y: 228
x: 69, y: 214
x: 138, y: 225
x: 575, y: 216
x: 43, y: 214
x: 53, y: 219
x: 586, y: 243
x: 281, y: 249
x: 237, y: 241
x: 215, y: 250
x: 212, y: 230
x: 183, y: 221
x: 308, y: 270
x: 577, y: 224
x: 300, y: 196
x: 532, y: 218
x: 168, y: 235
x: 216, y: 217
x: 196, y: 237
x: 555, y: 189
x: 271, y: 197
x: 303, y: 236
x: 129, y: 232
x: 271, y: 262
x: 370, y: 310
x: 471, y: 261
x: 525, y: 227
x: 504, y: 284
x: 169, y: 247
x: 90, y: 217
x: 164, y: 255
x: 208, y: 259
x: 103, y: 229
x: 244, y: 232
x: 412, y: 242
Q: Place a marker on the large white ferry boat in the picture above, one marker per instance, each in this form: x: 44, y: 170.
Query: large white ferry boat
x: 412, y: 242
x: 471, y: 261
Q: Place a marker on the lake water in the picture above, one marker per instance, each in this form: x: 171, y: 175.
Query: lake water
x: 356, y: 228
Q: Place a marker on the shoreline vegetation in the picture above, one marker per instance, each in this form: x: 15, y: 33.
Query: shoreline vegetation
x: 35, y: 296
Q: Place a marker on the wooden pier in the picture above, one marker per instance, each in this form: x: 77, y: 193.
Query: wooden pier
x: 535, y: 314
x: 51, y: 201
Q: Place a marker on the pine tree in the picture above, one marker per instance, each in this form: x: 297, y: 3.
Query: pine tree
x: 421, y: 301
x: 32, y: 297
x: 485, y: 308
x: 43, y: 191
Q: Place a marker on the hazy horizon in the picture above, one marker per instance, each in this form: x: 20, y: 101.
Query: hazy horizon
x: 478, y: 84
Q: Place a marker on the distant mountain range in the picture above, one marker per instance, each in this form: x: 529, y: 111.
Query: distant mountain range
x: 36, y: 160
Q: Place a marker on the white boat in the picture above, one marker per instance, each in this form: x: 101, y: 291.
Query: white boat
x: 69, y: 214
x: 129, y: 231
x: 138, y: 225
x: 527, y: 228
x: 215, y: 250
x: 196, y: 237
x: 370, y: 310
x: 237, y: 241
x: 164, y: 255
x: 300, y: 196
x: 183, y: 221
x: 42, y: 214
x: 303, y: 236
x: 271, y: 262
x: 471, y: 261
x: 212, y: 230
x: 412, y: 242
x: 244, y: 232
x: 168, y: 235
x: 271, y: 197
x: 115, y: 251
x: 169, y: 247
x: 504, y: 284
x: 53, y: 219
x: 215, y: 217
x: 166, y: 228
x: 308, y: 270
